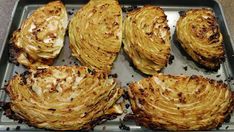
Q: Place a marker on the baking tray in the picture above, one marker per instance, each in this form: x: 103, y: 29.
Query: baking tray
x: 181, y: 64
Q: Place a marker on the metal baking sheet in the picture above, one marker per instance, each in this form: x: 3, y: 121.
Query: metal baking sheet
x: 181, y: 63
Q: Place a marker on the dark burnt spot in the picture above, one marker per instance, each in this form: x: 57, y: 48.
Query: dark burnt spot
x: 51, y: 109
x: 185, y: 68
x: 218, y: 127
x: 8, y: 129
x: 171, y: 58
x: 70, y: 13
x: 182, y: 13
x: 115, y: 24
x: 168, y: 28
x: 181, y: 98
x: 20, y: 121
x: 229, y: 78
x: 198, y: 91
x: 17, y: 128
x: 141, y: 101
x: 127, y: 106
x: 129, y: 117
x: 149, y: 34
x: 218, y: 75
x: 14, y: 52
x: 141, y: 90
x: 193, y: 77
x: 24, y: 76
x: 213, y: 37
x: 9, y: 113
x: 92, y: 72
x: 125, y: 95
x: 39, y: 72
x: 115, y: 75
x: 227, y: 119
x: 124, y: 127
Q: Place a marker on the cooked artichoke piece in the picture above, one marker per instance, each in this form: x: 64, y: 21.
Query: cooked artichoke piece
x: 95, y: 33
x: 180, y: 102
x: 146, y: 38
x: 63, y: 98
x: 40, y: 38
x: 198, y: 33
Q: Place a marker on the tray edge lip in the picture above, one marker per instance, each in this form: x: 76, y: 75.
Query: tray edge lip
x: 5, y: 40
x: 227, y: 68
x: 225, y: 22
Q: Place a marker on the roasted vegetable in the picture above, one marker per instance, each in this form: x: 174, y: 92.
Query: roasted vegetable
x: 40, y: 38
x: 198, y: 33
x: 63, y: 98
x: 180, y: 102
x: 146, y: 38
x: 95, y: 33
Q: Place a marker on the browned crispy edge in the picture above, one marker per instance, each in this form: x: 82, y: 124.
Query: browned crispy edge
x: 143, y: 119
x: 215, y: 60
x: 89, y: 126
x: 14, y: 51
x: 170, y: 57
x: 201, y: 59
x: 12, y: 115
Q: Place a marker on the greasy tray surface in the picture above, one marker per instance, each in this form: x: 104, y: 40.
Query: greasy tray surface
x: 122, y: 66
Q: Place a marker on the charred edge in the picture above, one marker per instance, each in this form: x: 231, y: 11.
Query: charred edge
x: 171, y: 58
x: 92, y: 71
x: 113, y: 75
x: 14, y: 53
x: 122, y: 126
x: 24, y: 76
x: 129, y: 117
x: 39, y: 72
x: 45, y: 61
x: 98, y: 121
x: 182, y: 13
x: 199, y: 63
x: 142, y: 119
x: 12, y: 115
x: 125, y: 95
